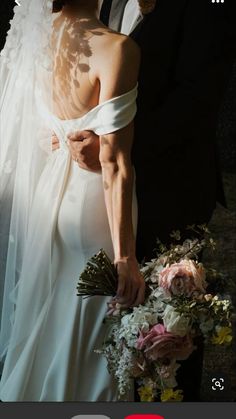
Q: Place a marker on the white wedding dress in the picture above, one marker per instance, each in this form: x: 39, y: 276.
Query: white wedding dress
x: 51, y: 351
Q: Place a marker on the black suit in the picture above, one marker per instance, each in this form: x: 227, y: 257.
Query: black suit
x: 187, y: 51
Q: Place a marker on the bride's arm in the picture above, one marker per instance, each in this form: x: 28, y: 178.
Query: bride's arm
x: 117, y: 171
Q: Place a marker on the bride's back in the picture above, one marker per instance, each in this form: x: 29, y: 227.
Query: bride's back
x: 80, y: 48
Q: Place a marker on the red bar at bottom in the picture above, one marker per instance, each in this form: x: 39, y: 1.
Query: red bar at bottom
x: 144, y: 417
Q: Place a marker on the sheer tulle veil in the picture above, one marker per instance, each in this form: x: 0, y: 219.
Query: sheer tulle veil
x: 25, y: 140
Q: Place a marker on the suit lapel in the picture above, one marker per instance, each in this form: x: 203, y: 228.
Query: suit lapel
x: 136, y: 31
x: 138, y: 28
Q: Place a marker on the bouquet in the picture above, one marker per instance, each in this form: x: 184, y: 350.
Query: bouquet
x: 146, y: 343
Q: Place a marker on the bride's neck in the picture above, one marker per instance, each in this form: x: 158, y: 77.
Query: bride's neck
x: 85, y: 9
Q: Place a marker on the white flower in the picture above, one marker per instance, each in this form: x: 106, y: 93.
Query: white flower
x: 125, y: 320
x: 174, y: 322
x: 158, y: 301
x: 154, y: 277
x: 143, y: 317
x: 159, y: 294
x: 168, y: 374
x: 140, y: 319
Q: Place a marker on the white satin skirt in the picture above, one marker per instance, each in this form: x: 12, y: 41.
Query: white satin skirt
x: 58, y: 361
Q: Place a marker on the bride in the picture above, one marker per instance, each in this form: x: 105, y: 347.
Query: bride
x: 62, y: 72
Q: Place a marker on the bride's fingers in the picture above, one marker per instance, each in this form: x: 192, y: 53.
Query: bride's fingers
x: 127, y: 294
x: 140, y: 297
x: 135, y: 290
x: 134, y: 296
x: 121, y: 286
x: 126, y: 301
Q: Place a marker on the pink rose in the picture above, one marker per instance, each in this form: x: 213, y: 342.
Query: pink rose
x: 158, y: 343
x: 186, y: 277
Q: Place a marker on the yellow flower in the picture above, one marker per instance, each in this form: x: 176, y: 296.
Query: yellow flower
x: 169, y: 395
x: 223, y: 336
x: 146, y: 394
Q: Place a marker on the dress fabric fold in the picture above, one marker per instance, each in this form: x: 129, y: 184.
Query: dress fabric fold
x: 51, y: 353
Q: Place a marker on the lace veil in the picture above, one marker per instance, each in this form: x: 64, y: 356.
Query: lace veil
x: 25, y: 139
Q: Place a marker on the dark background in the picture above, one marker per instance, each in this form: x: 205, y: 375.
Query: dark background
x: 217, y: 361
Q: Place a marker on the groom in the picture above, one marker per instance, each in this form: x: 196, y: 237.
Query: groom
x: 187, y: 52
x: 187, y: 49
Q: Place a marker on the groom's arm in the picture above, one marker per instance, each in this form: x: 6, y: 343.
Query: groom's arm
x: 203, y: 64
x: 84, y: 148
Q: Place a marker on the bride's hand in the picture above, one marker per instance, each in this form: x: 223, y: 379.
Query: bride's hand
x: 131, y: 284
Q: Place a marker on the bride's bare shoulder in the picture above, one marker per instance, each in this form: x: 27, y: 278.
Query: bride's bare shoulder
x: 117, y: 62
x: 113, y: 43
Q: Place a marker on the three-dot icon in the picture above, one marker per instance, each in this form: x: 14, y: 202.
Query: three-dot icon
x: 217, y: 1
